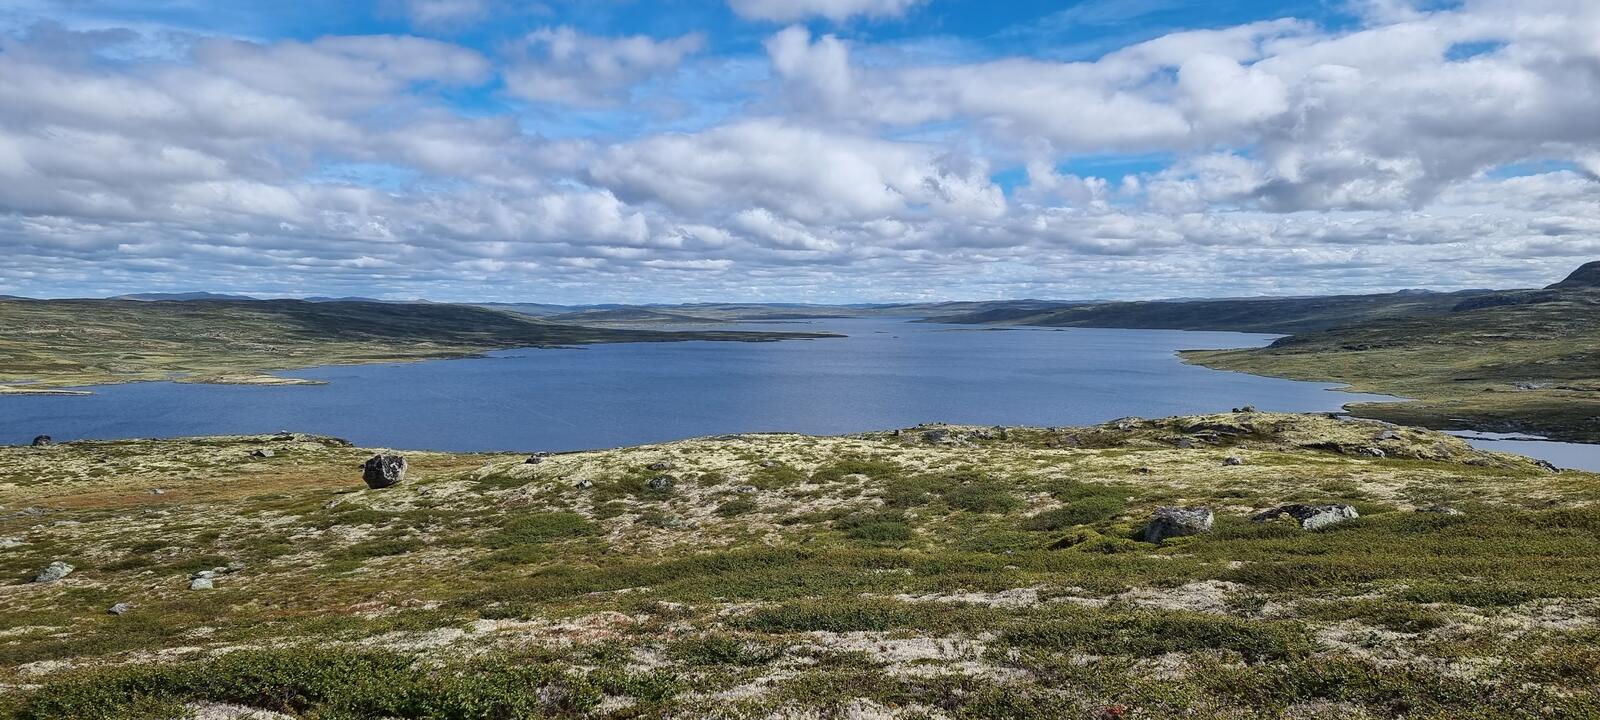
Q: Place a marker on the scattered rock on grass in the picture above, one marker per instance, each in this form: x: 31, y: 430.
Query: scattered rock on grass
x: 1232, y: 461
x: 201, y: 583
x: 262, y: 453
x: 661, y: 482
x: 1440, y: 510
x: 1310, y: 517
x: 660, y: 466
x: 1178, y: 522
x: 120, y: 608
x: 53, y: 572
x: 43, y: 441
x: 383, y: 471
x: 1373, y: 452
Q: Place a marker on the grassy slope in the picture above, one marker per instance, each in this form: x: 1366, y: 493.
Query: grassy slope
x: 1516, y: 367
x: 880, y: 575
x: 60, y: 343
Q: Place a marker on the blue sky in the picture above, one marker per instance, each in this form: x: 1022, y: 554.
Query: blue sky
x: 794, y: 150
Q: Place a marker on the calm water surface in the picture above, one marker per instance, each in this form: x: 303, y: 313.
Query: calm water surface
x: 885, y: 374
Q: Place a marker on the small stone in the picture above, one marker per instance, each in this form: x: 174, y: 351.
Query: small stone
x: 660, y: 466
x: 1178, y: 522
x: 204, y: 575
x: 381, y: 471
x: 661, y: 483
x: 1373, y: 452
x: 1142, y: 471
x: 120, y: 608
x: 201, y: 584
x: 746, y: 489
x: 157, y: 491
x: 1245, y: 409
x: 583, y: 484
x: 43, y: 441
x: 769, y: 464
x: 1440, y: 510
x: 1232, y: 461
x: 53, y: 572
x: 234, y: 566
x: 533, y: 460
x: 1386, y: 435
x: 1185, y: 443
x: 262, y: 453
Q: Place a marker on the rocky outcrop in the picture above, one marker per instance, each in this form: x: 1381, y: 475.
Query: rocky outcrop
x: 43, y: 441
x: 383, y: 471
x: 1310, y: 517
x: 1170, y: 522
x: 53, y: 572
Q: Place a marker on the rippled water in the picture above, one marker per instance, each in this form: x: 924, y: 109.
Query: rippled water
x: 884, y: 374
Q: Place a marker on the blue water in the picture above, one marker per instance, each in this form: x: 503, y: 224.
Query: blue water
x: 884, y: 374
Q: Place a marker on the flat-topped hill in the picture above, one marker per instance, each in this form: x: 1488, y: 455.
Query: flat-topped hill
x: 56, y: 343
x: 935, y: 571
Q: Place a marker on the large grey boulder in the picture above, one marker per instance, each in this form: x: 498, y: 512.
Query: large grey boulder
x: 383, y: 471
x: 1310, y: 517
x: 1178, y: 522
x: 43, y: 441
x: 53, y: 572
x: 661, y: 483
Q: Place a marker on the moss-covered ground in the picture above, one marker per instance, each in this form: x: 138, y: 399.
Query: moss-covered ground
x: 927, y: 573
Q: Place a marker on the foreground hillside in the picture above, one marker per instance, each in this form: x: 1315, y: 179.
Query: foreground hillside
x: 937, y: 572
x: 59, y: 343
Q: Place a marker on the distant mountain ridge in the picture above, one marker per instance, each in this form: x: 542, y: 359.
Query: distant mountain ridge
x: 181, y: 296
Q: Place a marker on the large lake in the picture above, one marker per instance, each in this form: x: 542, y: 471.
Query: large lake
x: 885, y: 373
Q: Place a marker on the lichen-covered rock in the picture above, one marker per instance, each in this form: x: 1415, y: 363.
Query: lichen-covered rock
x: 1373, y: 452
x: 661, y: 483
x: 201, y: 583
x: 660, y: 466
x: 1310, y: 517
x: 262, y: 453
x: 53, y: 572
x: 1232, y: 461
x: 1171, y: 522
x: 383, y: 471
x: 1440, y: 510
x: 43, y: 441
x: 120, y: 608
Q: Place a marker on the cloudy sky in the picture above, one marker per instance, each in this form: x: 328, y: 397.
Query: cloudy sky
x: 795, y: 150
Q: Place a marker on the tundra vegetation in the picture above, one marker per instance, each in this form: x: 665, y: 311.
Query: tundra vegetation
x: 934, y: 572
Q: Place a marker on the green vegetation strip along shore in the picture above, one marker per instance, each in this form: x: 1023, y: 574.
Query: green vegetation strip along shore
x: 937, y: 572
x: 1529, y: 365
x: 48, y: 344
